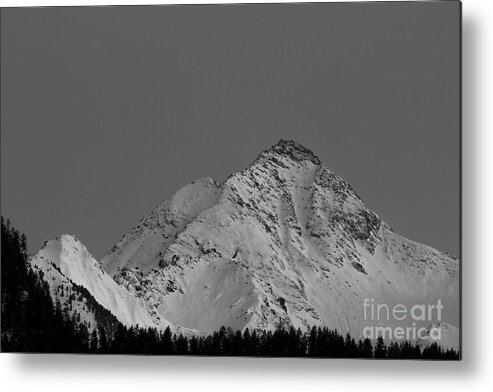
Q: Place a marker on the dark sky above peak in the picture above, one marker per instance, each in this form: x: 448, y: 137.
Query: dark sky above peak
x: 106, y: 111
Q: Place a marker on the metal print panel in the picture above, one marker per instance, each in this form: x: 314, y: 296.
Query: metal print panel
x: 256, y: 180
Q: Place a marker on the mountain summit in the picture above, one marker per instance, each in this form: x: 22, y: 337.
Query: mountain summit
x: 284, y: 242
x: 292, y: 150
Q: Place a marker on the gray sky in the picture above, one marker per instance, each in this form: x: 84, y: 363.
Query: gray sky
x: 108, y: 111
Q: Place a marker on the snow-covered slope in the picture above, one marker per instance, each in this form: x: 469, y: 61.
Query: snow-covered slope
x: 65, y: 261
x: 284, y: 241
x: 158, y: 230
x: 444, y: 334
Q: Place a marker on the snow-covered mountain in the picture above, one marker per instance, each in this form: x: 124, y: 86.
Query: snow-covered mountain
x: 283, y: 242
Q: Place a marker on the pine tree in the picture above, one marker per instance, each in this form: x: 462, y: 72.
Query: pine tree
x: 380, y: 349
x: 365, y: 349
x: 94, y: 342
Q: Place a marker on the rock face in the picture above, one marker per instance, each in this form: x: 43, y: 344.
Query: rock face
x: 283, y: 242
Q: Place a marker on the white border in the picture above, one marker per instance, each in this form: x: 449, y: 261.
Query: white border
x: 35, y: 3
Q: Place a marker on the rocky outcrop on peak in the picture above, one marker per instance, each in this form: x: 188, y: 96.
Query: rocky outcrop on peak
x: 288, y: 149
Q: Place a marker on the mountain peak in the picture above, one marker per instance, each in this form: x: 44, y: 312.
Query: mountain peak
x: 291, y: 149
x: 68, y: 238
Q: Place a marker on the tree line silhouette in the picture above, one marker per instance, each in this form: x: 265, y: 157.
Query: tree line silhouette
x: 32, y: 322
